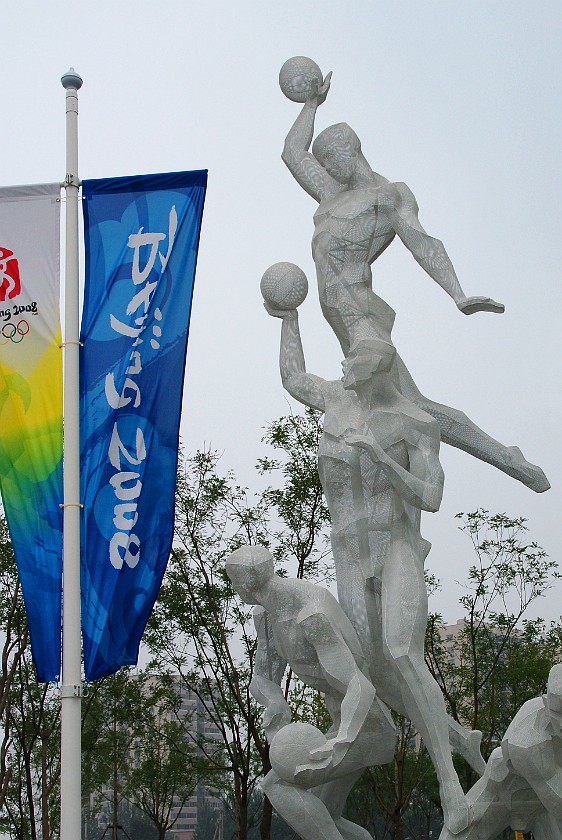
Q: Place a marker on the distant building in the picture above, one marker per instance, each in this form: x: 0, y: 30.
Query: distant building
x: 202, y: 799
x: 200, y: 726
x: 449, y: 634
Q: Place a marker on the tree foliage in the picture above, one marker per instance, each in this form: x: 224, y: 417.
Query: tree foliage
x: 499, y: 659
x: 135, y: 750
x: 299, y: 502
x: 200, y: 629
x: 197, y: 622
x: 30, y: 716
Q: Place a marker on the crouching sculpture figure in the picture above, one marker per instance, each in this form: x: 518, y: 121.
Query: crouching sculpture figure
x: 302, y: 625
x: 522, y: 786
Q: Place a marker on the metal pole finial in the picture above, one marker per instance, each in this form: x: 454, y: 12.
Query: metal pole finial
x: 71, y: 79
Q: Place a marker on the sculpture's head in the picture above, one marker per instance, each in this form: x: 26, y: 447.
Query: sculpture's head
x: 337, y: 149
x: 366, y: 358
x: 249, y: 569
x: 553, y: 700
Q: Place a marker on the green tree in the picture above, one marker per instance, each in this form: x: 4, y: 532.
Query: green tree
x: 30, y: 715
x: 164, y: 769
x: 207, y: 819
x: 14, y: 644
x: 499, y: 659
x: 112, y: 720
x: 200, y: 629
x: 134, y: 824
x: 135, y: 750
x: 31, y: 801
x: 299, y: 502
x: 198, y: 622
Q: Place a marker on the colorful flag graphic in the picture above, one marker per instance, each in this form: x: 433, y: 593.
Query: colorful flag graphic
x: 142, y: 236
x: 31, y: 407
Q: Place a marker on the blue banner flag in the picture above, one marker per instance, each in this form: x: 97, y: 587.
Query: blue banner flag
x: 142, y: 236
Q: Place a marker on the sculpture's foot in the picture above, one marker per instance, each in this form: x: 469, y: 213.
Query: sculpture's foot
x: 456, y: 809
x: 351, y: 831
x: 472, y: 751
x: 529, y: 474
x: 477, y: 303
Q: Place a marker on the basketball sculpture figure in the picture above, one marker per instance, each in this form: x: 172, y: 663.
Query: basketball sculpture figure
x: 360, y: 213
x: 378, y: 461
x: 300, y: 625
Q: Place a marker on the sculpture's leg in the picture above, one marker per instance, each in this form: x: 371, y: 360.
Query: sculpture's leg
x: 352, y: 831
x: 361, y: 600
x: 334, y: 795
x: 489, y: 813
x: 404, y: 605
x: 489, y: 827
x: 462, y: 740
x: 301, y: 809
x: 458, y: 430
x: 359, y: 597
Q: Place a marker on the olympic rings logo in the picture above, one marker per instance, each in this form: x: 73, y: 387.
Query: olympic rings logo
x: 14, y: 333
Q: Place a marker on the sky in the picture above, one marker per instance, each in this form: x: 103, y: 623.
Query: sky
x: 459, y: 100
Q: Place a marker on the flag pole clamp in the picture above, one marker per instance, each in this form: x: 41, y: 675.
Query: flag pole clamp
x: 70, y: 691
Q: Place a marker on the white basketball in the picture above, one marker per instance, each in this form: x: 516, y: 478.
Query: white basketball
x: 296, y: 77
x: 291, y: 746
x: 284, y: 286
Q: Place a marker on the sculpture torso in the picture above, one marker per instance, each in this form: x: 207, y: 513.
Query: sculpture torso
x: 292, y: 616
x: 352, y: 229
x: 355, y: 487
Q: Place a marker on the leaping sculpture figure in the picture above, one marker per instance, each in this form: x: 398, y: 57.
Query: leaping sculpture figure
x: 360, y: 213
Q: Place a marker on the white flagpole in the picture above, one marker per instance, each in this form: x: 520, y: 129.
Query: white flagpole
x: 71, y: 640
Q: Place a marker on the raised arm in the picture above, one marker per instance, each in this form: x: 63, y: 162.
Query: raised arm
x: 301, y: 163
x: 303, y: 386
x: 269, y: 668
x: 430, y: 253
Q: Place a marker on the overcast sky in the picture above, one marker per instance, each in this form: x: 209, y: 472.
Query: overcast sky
x: 460, y: 100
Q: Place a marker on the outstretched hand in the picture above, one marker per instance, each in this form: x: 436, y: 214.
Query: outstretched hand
x: 366, y: 442
x: 278, y: 313
x: 323, y: 760
x: 333, y: 751
x: 275, y: 717
x: 355, y: 439
x: 313, y: 774
x: 470, y: 305
x: 318, y: 93
x: 323, y: 753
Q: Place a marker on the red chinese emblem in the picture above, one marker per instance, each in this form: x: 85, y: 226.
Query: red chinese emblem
x: 10, y: 285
